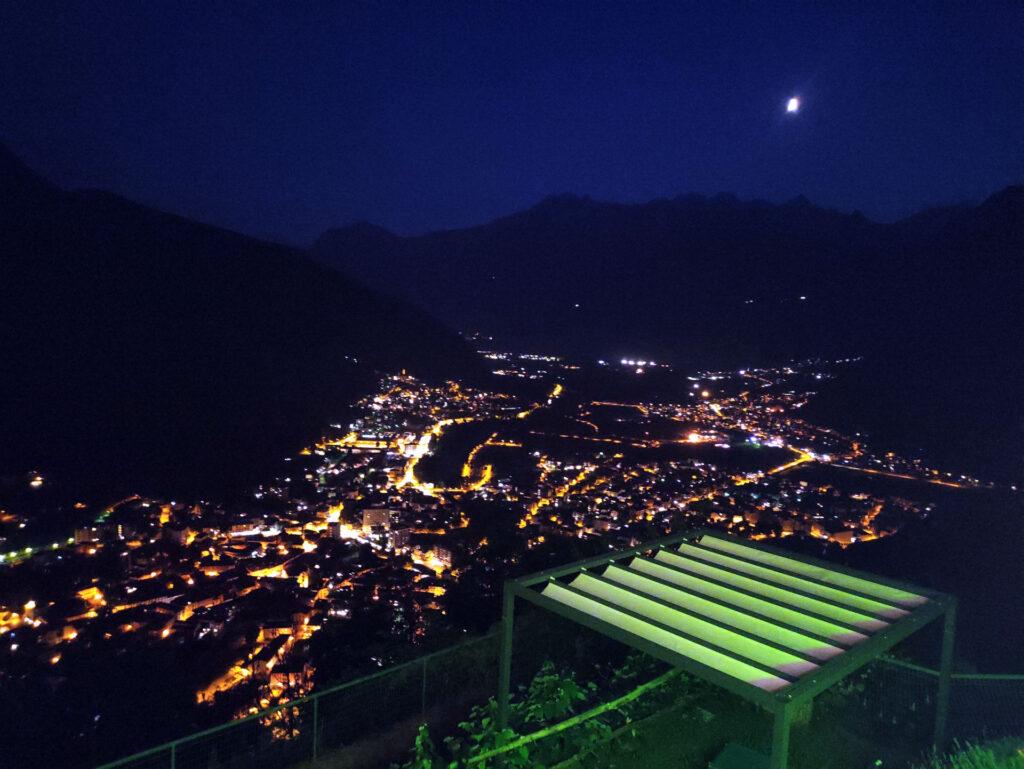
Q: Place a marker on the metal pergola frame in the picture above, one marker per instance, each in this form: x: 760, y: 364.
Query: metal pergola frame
x: 800, y: 689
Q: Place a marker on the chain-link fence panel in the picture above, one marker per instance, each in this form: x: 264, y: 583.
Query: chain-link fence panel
x: 987, y: 707
x: 373, y: 721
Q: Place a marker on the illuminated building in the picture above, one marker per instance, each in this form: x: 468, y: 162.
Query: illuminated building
x: 376, y: 516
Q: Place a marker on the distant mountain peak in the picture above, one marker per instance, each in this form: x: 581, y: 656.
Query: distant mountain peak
x: 1008, y: 197
x: 689, y: 198
x: 17, y: 179
x: 799, y: 202
x: 563, y: 201
x: 360, y: 235
x: 726, y: 198
x: 560, y: 198
x: 365, y: 227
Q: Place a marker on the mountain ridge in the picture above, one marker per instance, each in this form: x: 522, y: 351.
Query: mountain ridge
x: 705, y: 231
x: 717, y: 282
x: 148, y: 352
x: 1013, y: 191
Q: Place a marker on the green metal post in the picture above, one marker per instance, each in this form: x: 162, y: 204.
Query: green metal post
x: 174, y: 755
x: 945, y: 673
x: 316, y: 725
x: 423, y: 689
x: 780, y: 736
x: 505, y: 669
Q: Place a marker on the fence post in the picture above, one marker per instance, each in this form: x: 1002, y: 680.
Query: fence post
x: 174, y: 755
x: 945, y: 670
x: 423, y: 689
x: 316, y: 725
x: 505, y: 664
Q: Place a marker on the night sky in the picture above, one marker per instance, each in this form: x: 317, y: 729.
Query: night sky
x: 283, y: 119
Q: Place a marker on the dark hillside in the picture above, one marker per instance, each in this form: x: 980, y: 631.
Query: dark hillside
x: 932, y: 302
x: 142, y: 350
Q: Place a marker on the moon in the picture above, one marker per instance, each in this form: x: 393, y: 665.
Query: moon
x: 793, y: 105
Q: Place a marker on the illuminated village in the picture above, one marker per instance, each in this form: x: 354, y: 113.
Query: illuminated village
x: 386, y: 515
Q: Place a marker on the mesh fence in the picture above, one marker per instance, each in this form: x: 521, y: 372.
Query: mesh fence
x: 987, y: 708
x: 890, y: 702
x: 373, y: 721
x: 279, y: 738
x: 366, y: 723
x: 889, y: 707
x: 981, y: 707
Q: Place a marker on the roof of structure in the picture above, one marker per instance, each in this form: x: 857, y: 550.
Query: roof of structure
x: 756, y: 620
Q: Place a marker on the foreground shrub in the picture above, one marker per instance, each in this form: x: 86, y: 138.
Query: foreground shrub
x: 1007, y: 754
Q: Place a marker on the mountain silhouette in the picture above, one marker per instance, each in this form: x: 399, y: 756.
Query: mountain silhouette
x: 932, y: 301
x: 146, y: 352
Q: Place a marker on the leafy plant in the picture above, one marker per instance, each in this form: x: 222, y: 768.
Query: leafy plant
x: 551, y: 696
x: 424, y: 754
x: 1008, y: 754
x: 482, y: 734
x: 554, y: 710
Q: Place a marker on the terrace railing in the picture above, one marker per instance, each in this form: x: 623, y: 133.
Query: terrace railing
x: 372, y: 721
x: 362, y: 723
x: 982, y: 706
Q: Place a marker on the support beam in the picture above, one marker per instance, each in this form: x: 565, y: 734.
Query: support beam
x: 423, y: 689
x: 780, y: 736
x: 316, y: 727
x: 945, y: 673
x: 505, y: 662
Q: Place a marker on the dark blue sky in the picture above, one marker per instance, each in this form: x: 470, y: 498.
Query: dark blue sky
x: 286, y: 118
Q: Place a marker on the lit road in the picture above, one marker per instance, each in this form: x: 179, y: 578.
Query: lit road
x: 419, y: 450
x: 901, y: 476
x: 555, y: 392
x: 422, y: 447
x: 17, y: 556
x: 802, y: 458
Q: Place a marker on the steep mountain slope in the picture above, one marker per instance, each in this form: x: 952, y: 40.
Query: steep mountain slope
x: 932, y: 301
x: 656, y: 280
x: 659, y: 273
x: 148, y: 351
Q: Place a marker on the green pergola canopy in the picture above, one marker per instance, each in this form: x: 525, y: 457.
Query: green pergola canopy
x: 772, y: 627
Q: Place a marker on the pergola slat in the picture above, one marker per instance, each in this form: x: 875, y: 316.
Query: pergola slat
x: 775, y: 629
x: 837, y: 632
x: 671, y: 638
x: 799, y: 567
x: 781, y: 660
x: 788, y: 638
x: 808, y: 585
x: 795, y: 598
